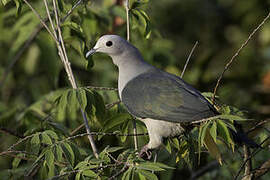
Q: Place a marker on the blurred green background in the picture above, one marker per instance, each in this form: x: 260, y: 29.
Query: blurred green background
x: 220, y: 27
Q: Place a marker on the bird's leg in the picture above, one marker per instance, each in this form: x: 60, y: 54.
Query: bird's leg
x: 145, y: 153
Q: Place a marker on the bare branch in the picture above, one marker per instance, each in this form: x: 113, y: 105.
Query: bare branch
x: 39, y: 17
x: 248, y: 166
x: 120, y: 172
x: 71, y: 10
x: 189, y: 56
x: 102, y: 88
x: 264, y: 168
x: 109, y: 106
x: 237, y: 53
x: 251, y: 155
x: 127, y: 16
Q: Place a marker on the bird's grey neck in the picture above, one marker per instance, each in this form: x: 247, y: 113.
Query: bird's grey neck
x: 129, y: 68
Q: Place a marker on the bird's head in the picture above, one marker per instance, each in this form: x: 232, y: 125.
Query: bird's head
x: 110, y: 44
x: 114, y: 46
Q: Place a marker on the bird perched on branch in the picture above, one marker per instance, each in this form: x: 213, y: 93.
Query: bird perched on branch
x: 164, y: 102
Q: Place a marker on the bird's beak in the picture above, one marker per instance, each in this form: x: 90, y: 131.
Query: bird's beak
x: 89, y: 53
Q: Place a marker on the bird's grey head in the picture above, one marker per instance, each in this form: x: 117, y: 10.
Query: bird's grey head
x: 115, y: 46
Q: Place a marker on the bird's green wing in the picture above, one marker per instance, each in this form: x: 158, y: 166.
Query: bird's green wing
x: 162, y: 96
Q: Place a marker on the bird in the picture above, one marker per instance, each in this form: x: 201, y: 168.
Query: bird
x: 164, y: 102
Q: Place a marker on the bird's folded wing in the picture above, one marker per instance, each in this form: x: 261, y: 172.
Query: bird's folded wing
x: 162, y: 96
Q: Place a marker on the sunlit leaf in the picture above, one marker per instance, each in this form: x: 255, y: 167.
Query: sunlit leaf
x: 212, y: 147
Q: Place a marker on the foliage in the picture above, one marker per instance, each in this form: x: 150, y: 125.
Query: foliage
x: 42, y: 112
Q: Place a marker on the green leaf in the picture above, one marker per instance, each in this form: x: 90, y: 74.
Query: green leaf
x: 5, y: 2
x: 73, y: 25
x: 138, y: 4
x: 45, y: 138
x: 81, y: 97
x: 18, y: 6
x: 58, y: 153
x: 78, y: 176
x: 115, y: 120
x: 82, y: 165
x: 127, y: 174
x: 113, y: 149
x: 68, y: 152
x: 232, y: 117
x: 49, y: 157
x: 89, y: 173
x: 52, y: 134
x: 73, y: 104
x: 35, y: 143
x: 223, y: 131
x: 99, y: 105
x: 149, y: 166
x: 213, y: 131
x: 61, y: 107
x: 168, y: 146
x: 202, y: 132
x: 16, y: 161
x: 212, y: 147
x: 147, y: 174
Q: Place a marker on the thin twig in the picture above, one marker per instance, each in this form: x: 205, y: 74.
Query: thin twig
x: 127, y: 17
x: 76, y: 129
x: 109, y: 106
x: 135, y: 132
x: 252, y: 154
x: 120, y: 172
x: 70, y: 11
x: 63, y: 56
x: 189, y: 56
x: 128, y: 39
x: 102, y: 88
x: 258, y: 125
x: 39, y: 17
x: 237, y: 53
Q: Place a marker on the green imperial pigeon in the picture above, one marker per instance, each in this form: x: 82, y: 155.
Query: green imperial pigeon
x: 163, y: 101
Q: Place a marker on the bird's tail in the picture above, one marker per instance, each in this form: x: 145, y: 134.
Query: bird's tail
x: 241, y: 138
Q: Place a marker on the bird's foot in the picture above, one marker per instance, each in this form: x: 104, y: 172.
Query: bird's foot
x: 145, y: 153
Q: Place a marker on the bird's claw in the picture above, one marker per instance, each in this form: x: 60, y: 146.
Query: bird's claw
x: 145, y: 153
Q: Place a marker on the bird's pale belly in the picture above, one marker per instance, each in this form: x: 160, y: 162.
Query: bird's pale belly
x: 158, y: 129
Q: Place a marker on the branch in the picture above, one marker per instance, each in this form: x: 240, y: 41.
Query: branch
x: 252, y: 155
x: 127, y: 15
x: 237, y: 53
x: 102, y: 88
x: 248, y: 166
x: 265, y: 167
x: 40, y: 19
x: 63, y: 56
x: 120, y: 172
x: 70, y: 11
x: 189, y: 56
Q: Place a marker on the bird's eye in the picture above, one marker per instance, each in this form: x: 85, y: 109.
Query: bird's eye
x: 109, y: 43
